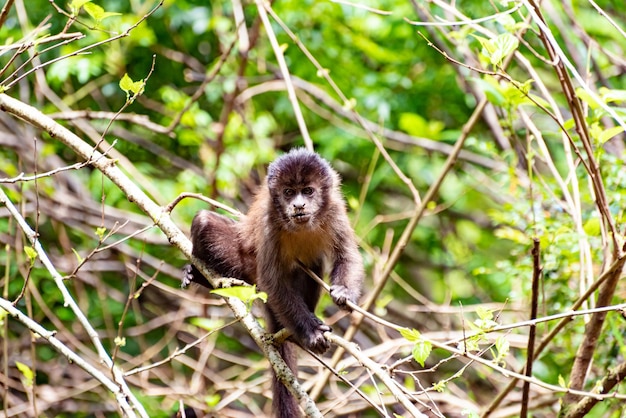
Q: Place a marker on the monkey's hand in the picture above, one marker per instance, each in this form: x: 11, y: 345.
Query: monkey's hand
x: 341, y: 295
x: 313, y: 339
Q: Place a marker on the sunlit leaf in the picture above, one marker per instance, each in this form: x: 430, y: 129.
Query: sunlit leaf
x: 27, y: 373
x: 421, y: 351
x: 98, y: 13
x: 410, y: 334
x: 244, y: 293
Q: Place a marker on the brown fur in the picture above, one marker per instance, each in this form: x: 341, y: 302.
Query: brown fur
x: 298, y: 215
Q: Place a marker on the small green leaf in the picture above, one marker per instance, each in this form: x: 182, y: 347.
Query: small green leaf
x: 485, y: 324
x: 411, y: 335
x: 212, y: 400
x: 587, y: 98
x: 498, y: 48
x: 592, y: 227
x: 421, y: 351
x: 470, y: 344
x: 484, y: 313
x: 502, y: 349
x: 502, y: 345
x: 129, y: 86
x: 492, y: 90
x: 75, y: 5
x: 246, y: 294
x: 98, y: 13
x: 100, y: 232
x: 609, y: 95
x: 607, y: 134
x: 27, y: 373
x: 512, y: 234
x: 206, y: 323
x: 31, y: 253
x: 562, y: 382
x: 439, y: 386
x: 78, y: 256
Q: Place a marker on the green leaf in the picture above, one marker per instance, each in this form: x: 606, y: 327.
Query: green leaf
x: 206, y: 323
x: 609, y: 95
x: 492, y: 90
x: 587, y: 98
x: 98, y: 13
x: 31, y: 253
x: 484, y: 313
x: 212, y: 400
x: 410, y: 334
x: 129, y: 86
x: 592, y: 227
x: 78, y: 256
x: 485, y: 324
x: 505, y: 44
x: 75, y: 5
x: 27, y: 373
x: 498, y: 48
x: 246, y: 294
x: 502, y: 349
x: 512, y: 234
x: 100, y: 232
x: 439, y: 386
x: 421, y: 351
x: 607, y: 134
x: 416, y: 125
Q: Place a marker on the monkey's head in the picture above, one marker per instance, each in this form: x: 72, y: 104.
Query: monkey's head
x: 300, y: 183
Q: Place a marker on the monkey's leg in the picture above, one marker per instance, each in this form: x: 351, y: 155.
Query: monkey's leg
x: 216, y: 242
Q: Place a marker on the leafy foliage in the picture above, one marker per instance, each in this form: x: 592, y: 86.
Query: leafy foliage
x: 188, y: 96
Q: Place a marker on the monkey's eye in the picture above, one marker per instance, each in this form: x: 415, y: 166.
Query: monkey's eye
x: 289, y: 192
x: 308, y: 191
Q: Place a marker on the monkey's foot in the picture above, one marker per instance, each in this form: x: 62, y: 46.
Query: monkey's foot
x: 341, y: 295
x: 314, y: 340
x: 187, y: 278
x: 192, y: 275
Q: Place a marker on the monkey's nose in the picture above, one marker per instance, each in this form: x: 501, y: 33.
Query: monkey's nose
x: 298, y: 203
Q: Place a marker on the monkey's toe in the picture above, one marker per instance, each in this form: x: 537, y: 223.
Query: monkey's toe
x: 316, y: 342
x: 192, y: 275
x: 187, y: 278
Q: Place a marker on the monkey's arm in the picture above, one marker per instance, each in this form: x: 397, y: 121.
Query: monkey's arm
x: 346, y: 276
x: 292, y: 296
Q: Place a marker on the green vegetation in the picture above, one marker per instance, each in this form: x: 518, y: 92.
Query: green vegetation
x: 482, y: 150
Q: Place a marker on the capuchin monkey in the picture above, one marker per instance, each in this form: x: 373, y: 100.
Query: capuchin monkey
x: 298, y: 216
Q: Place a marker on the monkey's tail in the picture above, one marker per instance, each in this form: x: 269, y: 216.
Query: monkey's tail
x: 285, y: 404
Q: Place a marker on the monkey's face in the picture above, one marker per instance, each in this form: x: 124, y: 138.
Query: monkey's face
x: 300, y: 206
x: 299, y: 183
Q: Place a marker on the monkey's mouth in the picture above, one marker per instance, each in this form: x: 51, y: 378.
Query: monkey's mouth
x: 300, y: 217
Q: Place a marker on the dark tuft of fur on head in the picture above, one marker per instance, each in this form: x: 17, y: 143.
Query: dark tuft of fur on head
x: 299, y: 167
